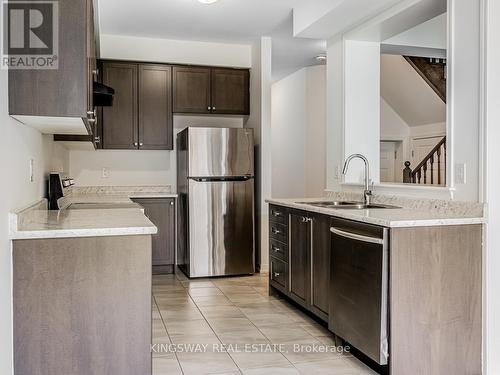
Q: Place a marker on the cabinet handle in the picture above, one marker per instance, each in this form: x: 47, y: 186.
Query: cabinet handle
x: 95, y: 72
x: 275, y: 231
x: 90, y: 113
x: 141, y: 144
x: 171, y: 203
x: 276, y: 213
x: 91, y: 120
x: 209, y: 108
x: 306, y: 219
x: 277, y: 274
x: 213, y: 108
x: 97, y: 139
x: 276, y: 249
x: 136, y: 144
x: 356, y: 237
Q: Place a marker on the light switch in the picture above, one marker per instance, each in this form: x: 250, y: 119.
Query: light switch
x: 460, y: 173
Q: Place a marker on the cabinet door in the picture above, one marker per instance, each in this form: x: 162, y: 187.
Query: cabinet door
x: 191, y: 89
x: 299, y: 248
x: 230, y: 91
x: 320, y: 264
x: 161, y: 212
x: 155, y: 107
x: 91, y: 56
x: 119, y: 127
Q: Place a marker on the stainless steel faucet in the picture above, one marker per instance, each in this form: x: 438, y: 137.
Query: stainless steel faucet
x: 368, y: 192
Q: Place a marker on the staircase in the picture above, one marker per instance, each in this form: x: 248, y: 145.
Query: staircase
x: 433, y: 71
x: 431, y: 170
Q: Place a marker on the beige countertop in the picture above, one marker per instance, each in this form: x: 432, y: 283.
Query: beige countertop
x: 42, y: 223
x: 389, y: 217
x: 36, y: 221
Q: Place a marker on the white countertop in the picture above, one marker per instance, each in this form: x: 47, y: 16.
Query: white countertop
x: 388, y: 217
x: 41, y: 223
x: 36, y: 221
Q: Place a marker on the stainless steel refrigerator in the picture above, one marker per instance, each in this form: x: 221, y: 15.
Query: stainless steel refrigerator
x: 215, y: 184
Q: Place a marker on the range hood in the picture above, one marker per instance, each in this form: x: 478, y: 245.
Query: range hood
x: 103, y: 95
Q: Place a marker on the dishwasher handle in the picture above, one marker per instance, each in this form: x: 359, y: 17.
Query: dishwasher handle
x: 357, y: 237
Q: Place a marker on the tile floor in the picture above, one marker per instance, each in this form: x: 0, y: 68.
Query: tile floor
x: 232, y: 326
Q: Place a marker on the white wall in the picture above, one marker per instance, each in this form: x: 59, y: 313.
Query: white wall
x: 362, y: 107
x: 315, y: 175
x: 21, y: 144
x: 428, y: 130
x: 298, y: 134
x: 464, y: 103
x: 334, y: 113
x: 288, y: 124
x: 260, y: 121
x: 392, y: 126
x: 430, y: 34
x: 490, y: 194
x: 175, y: 51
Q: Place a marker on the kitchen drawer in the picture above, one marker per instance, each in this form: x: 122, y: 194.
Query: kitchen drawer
x: 278, y: 232
x: 278, y: 215
x: 278, y: 274
x: 278, y: 250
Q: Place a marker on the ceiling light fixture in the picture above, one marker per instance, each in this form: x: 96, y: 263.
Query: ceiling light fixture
x: 321, y: 58
x: 207, y: 2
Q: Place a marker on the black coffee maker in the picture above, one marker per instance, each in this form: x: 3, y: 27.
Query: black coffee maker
x: 57, y: 186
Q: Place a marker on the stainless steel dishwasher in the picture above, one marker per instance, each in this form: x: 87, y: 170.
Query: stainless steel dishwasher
x: 359, y: 287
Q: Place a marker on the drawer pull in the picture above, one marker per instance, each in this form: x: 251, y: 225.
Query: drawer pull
x: 276, y: 213
x: 276, y: 249
x: 277, y: 274
x: 275, y: 231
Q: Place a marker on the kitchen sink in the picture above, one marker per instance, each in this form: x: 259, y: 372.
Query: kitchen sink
x: 348, y: 205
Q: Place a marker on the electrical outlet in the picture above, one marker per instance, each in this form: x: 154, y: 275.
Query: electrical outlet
x: 460, y: 173
x: 32, y: 170
x: 105, y: 173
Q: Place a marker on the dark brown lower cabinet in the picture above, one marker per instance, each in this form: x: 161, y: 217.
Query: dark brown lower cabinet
x: 161, y: 212
x: 320, y: 269
x: 299, y: 250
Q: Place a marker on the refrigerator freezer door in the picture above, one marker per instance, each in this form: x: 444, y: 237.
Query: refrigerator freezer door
x: 220, y: 152
x: 221, y: 229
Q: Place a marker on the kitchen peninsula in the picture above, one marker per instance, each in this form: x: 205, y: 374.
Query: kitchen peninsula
x: 82, y: 287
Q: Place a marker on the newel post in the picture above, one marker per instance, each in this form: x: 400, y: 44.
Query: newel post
x: 407, y: 179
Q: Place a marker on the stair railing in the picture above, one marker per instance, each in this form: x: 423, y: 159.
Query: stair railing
x: 415, y: 176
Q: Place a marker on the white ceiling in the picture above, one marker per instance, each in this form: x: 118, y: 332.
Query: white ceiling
x: 226, y: 21
x: 408, y: 94
x: 290, y: 54
x: 232, y: 21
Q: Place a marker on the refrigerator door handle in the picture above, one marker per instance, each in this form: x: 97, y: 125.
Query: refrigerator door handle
x: 221, y: 179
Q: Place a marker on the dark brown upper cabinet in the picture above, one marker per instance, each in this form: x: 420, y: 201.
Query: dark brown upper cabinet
x: 141, y: 115
x: 119, y: 122
x: 211, y: 90
x: 37, y: 97
x: 191, y: 89
x: 155, y: 107
x: 230, y: 91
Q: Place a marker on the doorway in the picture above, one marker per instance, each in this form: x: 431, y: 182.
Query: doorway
x: 391, y: 161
